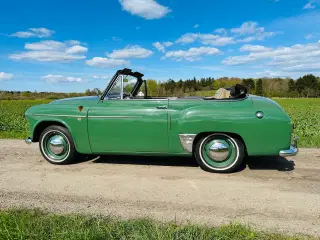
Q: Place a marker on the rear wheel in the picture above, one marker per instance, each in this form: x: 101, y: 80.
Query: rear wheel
x: 219, y: 153
x: 57, y: 146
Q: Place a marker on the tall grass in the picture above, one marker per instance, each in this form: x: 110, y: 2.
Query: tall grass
x: 34, y: 225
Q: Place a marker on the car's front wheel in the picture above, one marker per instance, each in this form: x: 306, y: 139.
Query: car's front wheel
x: 219, y: 153
x: 57, y: 146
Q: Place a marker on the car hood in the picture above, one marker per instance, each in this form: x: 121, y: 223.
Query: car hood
x: 77, y: 100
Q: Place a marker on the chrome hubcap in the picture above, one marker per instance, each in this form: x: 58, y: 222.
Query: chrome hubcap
x: 56, y: 145
x: 219, y: 151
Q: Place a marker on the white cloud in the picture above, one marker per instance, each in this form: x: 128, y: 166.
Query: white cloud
x: 6, y: 76
x: 148, y: 9
x: 247, y: 32
x: 310, y: 5
x: 222, y: 31
x: 219, y: 41
x: 193, y: 54
x: 162, y: 46
x: 45, y: 45
x: 209, y: 39
x: 270, y: 74
x: 46, y: 56
x: 51, y: 51
x: 248, y: 28
x: 258, y: 36
x: 305, y: 67
x: 254, y: 48
x: 101, y: 77
x: 187, y: 38
x: 73, y: 42
x: 196, y: 25
x: 34, y: 32
x: 61, y: 79
x: 250, y: 31
x: 298, y: 56
x: 106, y: 62
x: 76, y: 50
x: 130, y: 52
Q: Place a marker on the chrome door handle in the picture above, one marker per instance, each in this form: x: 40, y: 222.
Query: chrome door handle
x: 162, y: 107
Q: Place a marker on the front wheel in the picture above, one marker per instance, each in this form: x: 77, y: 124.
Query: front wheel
x: 57, y: 146
x: 219, y: 153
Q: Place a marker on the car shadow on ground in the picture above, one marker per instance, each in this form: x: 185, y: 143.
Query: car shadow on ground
x: 270, y: 163
x: 147, y: 160
x: 253, y: 163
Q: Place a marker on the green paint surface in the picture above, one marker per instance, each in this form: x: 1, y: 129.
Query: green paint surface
x: 139, y: 126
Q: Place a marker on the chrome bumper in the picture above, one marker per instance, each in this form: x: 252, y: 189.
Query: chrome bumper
x: 28, y: 140
x: 293, y: 149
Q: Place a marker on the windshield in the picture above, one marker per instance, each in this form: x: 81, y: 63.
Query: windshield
x: 128, y: 84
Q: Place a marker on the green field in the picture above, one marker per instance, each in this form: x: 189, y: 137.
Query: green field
x: 12, y: 122
x: 36, y: 225
x: 305, y: 114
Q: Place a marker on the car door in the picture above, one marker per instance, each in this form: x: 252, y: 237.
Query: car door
x: 129, y: 126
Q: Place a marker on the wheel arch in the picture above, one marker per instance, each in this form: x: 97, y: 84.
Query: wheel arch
x: 40, y: 126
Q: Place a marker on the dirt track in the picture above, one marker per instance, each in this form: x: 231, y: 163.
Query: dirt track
x: 271, y: 193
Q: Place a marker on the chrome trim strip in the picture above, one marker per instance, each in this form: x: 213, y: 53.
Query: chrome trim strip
x: 293, y: 151
x: 58, y: 115
x: 121, y: 86
x: 187, y: 141
x: 114, y: 116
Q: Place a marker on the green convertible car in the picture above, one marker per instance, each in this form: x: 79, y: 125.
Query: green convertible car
x: 219, y: 131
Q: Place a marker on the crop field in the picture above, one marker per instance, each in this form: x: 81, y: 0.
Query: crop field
x: 305, y: 114
x: 12, y: 122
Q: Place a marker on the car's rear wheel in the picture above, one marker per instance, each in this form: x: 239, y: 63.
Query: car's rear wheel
x: 57, y: 146
x: 219, y: 153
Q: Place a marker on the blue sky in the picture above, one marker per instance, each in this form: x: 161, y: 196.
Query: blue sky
x: 74, y: 45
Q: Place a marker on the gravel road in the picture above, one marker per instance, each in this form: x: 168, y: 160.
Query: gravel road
x: 270, y: 193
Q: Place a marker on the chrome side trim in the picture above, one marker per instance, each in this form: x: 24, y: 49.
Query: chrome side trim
x: 114, y: 116
x: 121, y: 86
x: 58, y: 115
x: 293, y: 151
x: 187, y: 141
x: 74, y: 116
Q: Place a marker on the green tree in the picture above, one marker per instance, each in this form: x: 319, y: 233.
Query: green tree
x: 152, y: 87
x: 291, y: 86
x: 308, y: 86
x: 216, y: 85
x: 249, y: 83
x: 259, y: 88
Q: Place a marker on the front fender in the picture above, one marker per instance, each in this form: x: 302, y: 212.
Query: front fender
x: 70, y: 117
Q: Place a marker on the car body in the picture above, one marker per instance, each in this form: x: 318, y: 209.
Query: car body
x: 118, y: 122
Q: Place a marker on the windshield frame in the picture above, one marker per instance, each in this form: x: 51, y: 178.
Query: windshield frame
x: 123, y: 73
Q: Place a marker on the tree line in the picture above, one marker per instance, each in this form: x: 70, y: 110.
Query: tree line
x: 306, y: 86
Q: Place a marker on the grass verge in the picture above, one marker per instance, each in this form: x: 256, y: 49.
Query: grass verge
x: 34, y: 224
